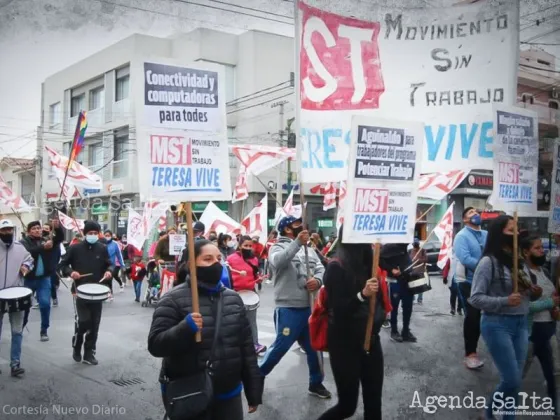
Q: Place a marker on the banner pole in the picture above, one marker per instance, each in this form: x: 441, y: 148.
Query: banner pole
x: 192, y: 265
x: 515, y: 273
x: 372, y: 299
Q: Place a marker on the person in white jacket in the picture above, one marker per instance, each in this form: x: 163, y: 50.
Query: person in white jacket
x: 15, y: 262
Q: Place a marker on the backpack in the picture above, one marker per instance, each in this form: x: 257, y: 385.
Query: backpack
x: 319, y: 322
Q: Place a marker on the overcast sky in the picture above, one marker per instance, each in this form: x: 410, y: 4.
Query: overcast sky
x: 41, y: 37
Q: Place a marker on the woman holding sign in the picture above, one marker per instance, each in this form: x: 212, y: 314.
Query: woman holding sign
x: 504, y: 309
x: 349, y: 288
x: 226, y: 353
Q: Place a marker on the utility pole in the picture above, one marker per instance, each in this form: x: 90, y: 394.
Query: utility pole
x: 280, y: 104
x: 291, y: 143
x: 39, y: 158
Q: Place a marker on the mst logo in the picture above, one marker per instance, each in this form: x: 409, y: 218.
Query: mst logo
x: 339, y: 62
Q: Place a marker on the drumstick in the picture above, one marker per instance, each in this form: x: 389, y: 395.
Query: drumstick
x: 86, y: 275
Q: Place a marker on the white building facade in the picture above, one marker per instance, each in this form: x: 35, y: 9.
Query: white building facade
x: 259, y: 69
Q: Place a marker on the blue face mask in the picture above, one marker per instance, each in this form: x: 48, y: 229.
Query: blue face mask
x: 92, y: 238
x: 476, y: 220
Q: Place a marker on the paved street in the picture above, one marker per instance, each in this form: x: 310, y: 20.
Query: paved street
x: 54, y: 381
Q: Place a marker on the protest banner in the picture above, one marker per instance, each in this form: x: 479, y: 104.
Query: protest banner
x: 137, y: 230
x: 516, y: 161
x: 382, y: 181
x: 445, y: 65
x: 255, y: 223
x: 554, y: 217
x: 216, y: 220
x: 182, y: 133
x: 177, y: 244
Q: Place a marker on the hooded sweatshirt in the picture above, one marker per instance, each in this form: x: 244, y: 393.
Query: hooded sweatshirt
x: 287, y: 262
x: 468, y: 247
x: 11, y: 260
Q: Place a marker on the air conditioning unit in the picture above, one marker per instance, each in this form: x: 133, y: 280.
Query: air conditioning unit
x: 554, y: 94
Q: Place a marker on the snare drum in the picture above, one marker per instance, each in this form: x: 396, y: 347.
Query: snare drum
x: 15, y: 299
x: 250, y: 299
x: 93, y: 292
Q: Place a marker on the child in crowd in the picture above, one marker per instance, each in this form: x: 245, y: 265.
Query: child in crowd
x: 154, y: 281
x: 137, y: 274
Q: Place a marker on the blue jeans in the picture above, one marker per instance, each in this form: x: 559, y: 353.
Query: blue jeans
x: 506, y: 337
x: 420, y: 297
x: 16, y: 323
x: 137, y: 288
x: 291, y: 326
x: 407, y: 300
x: 42, y: 288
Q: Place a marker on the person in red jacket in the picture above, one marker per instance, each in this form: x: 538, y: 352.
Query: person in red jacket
x: 137, y: 274
x: 349, y: 286
x: 244, y: 267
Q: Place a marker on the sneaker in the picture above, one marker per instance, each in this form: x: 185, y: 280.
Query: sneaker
x: 136, y: 300
x: 122, y: 289
x: 44, y: 336
x: 386, y: 324
x: 17, y: 371
x: 77, y: 355
x: 89, y: 359
x: 111, y: 298
x: 452, y: 312
x: 473, y: 362
x: 259, y: 349
x: 459, y: 312
x: 35, y: 306
x: 319, y: 391
x: 396, y: 337
x: 408, y: 337
x: 55, y: 303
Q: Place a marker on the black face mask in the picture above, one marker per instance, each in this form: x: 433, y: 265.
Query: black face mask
x: 297, y: 231
x: 210, y: 275
x: 538, y: 261
x: 45, y: 233
x: 507, y: 241
x: 247, y: 253
x: 7, y: 238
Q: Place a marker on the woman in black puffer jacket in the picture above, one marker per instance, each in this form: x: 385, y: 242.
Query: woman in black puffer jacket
x: 172, y: 336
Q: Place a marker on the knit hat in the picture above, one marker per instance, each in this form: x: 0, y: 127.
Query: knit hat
x: 91, y: 226
x: 31, y: 225
x: 198, y: 227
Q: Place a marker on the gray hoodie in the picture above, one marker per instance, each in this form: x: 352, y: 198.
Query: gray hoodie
x: 287, y: 262
x: 11, y: 260
x: 490, y: 294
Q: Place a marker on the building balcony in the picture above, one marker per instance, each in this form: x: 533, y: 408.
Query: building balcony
x: 121, y: 110
x: 549, y: 116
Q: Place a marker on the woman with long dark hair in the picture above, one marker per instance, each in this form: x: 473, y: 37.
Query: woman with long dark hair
x: 185, y: 362
x: 542, y: 324
x: 225, y: 245
x: 349, y: 286
x: 504, y: 312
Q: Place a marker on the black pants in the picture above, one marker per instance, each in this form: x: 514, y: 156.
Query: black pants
x: 454, y: 300
x: 541, y: 335
x: 398, y: 295
x: 55, y: 283
x: 116, y: 277
x: 471, y: 325
x: 350, y: 368
x: 86, y: 324
x: 231, y: 409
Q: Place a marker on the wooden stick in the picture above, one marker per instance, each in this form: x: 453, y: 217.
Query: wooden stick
x: 86, y: 275
x: 515, y: 273
x: 425, y: 213
x: 192, y: 265
x: 372, y: 299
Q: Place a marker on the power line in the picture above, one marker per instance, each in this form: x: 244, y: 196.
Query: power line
x: 261, y: 95
x: 235, y: 11
x: 542, y: 35
x: 539, y: 11
x: 259, y: 104
x: 538, y: 68
x: 258, y: 91
x: 251, y: 8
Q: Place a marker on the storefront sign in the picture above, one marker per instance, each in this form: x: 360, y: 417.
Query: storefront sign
x: 201, y: 206
x: 100, y: 209
x: 480, y: 181
x: 325, y: 223
x: 115, y: 188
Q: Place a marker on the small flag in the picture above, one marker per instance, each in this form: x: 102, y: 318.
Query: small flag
x: 78, y: 142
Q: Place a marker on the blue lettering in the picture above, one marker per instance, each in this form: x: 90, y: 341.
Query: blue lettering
x: 433, y: 145
x: 154, y: 175
x: 526, y: 193
x: 452, y: 135
x: 467, y: 139
x: 329, y: 148
x: 369, y: 222
x: 486, y: 140
x: 312, y: 147
x: 208, y: 177
x: 398, y: 222
x: 168, y: 175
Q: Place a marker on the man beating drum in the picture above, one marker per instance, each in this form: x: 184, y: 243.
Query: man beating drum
x: 15, y: 262
x: 88, y: 264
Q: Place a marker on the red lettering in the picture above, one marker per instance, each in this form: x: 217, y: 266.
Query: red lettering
x: 170, y: 150
x: 371, y: 201
x: 509, y: 173
x: 339, y: 62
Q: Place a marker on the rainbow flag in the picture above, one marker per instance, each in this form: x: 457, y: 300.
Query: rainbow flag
x: 78, y: 142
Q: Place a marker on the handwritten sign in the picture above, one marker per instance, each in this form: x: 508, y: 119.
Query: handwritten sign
x: 182, y: 134
x: 516, y: 161
x: 445, y: 66
x: 554, y: 217
x: 382, y: 181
